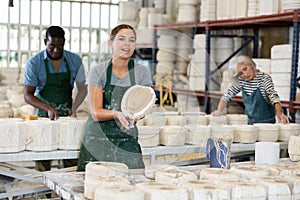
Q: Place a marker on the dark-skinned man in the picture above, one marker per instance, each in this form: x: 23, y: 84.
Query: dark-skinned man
x: 49, y: 80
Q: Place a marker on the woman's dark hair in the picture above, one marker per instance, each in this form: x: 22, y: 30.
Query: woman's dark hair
x: 55, y: 32
x: 116, y: 30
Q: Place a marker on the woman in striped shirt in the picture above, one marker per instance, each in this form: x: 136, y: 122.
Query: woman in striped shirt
x: 261, y: 100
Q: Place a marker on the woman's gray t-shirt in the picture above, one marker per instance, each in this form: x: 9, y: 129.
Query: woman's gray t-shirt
x: 97, y: 76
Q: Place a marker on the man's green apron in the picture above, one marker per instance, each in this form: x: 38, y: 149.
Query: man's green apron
x: 57, y: 91
x: 257, y: 108
x: 105, y: 140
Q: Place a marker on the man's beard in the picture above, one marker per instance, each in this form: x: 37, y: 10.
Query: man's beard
x: 54, y: 58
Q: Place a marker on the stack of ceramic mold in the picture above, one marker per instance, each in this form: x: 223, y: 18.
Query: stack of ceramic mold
x: 159, y: 5
x: 13, y: 135
x: 253, y: 8
x: 223, y: 9
x: 263, y: 64
x: 183, y: 51
x: 126, y: 17
x: 268, y: 7
x: 196, y: 69
x: 223, y: 48
x: 166, y: 55
x: 281, y: 62
x: 208, y: 10
x: 187, y: 11
x: 145, y: 31
x: 290, y: 5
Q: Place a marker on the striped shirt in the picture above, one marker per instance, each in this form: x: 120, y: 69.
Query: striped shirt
x: 262, y: 81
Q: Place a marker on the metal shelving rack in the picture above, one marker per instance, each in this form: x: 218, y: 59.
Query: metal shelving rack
x: 286, y: 19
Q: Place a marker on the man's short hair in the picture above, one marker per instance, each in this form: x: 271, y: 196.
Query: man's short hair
x: 55, y: 32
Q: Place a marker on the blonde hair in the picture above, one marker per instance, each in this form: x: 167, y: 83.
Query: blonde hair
x: 241, y: 59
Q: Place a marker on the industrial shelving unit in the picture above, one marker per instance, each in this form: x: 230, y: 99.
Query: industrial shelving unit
x: 286, y: 19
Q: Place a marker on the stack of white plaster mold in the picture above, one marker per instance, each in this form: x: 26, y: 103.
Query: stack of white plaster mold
x: 194, y: 128
x: 198, y: 127
x: 154, y: 17
x: 109, y: 180
x: 294, y: 147
x: 173, y: 54
x: 253, y: 8
x: 230, y: 9
x: 186, y: 103
x: 241, y: 181
x: 11, y: 100
x: 183, y: 51
x: 12, y: 75
x: 159, y: 5
x: 281, y: 62
x: 126, y: 17
x: 208, y: 10
x: 197, y: 135
x: 173, y: 133
x: 187, y: 11
x: 157, y: 15
x: 175, y: 128
x: 196, y: 69
x: 239, y: 8
x: 222, y: 48
x: 290, y: 5
x: 149, y: 129
x: 40, y: 135
x: 268, y: 7
x: 147, y: 18
x: 223, y: 9
x: 267, y: 132
x: 263, y: 64
x: 166, y: 54
x: 274, y: 181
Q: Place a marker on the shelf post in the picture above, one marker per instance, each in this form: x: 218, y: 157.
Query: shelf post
x: 154, y: 51
x: 255, y: 42
x: 294, y: 66
x: 207, y: 72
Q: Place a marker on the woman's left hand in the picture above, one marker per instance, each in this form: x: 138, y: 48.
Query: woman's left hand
x: 122, y: 119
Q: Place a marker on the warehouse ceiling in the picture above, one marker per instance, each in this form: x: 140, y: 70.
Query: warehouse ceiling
x: 10, y: 2
x: 97, y: 1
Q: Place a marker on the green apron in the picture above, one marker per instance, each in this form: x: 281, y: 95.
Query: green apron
x: 105, y: 140
x: 57, y: 91
x: 257, y: 108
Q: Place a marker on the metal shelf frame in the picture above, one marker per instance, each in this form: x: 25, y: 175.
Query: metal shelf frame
x: 286, y: 19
